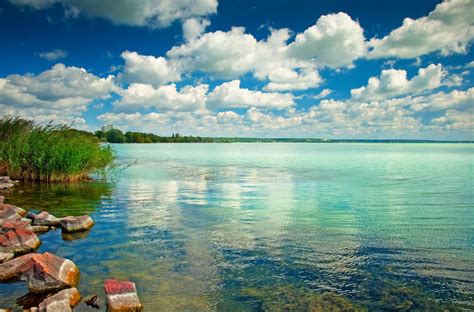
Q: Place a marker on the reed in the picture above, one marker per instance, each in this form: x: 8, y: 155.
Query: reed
x: 29, y: 151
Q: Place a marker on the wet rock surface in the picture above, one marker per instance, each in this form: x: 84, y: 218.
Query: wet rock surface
x: 121, y: 296
x: 76, y: 224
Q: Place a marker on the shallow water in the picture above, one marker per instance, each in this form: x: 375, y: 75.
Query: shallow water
x: 260, y: 226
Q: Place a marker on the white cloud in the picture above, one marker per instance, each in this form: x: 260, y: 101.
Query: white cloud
x: 148, y: 69
x: 151, y: 13
x: 226, y: 55
x: 336, y: 40
x: 389, y: 118
x: 194, y: 27
x: 53, y: 55
x: 164, y: 98
x: 394, y: 82
x: 230, y: 95
x: 282, y: 79
x: 449, y: 29
x: 324, y: 93
x: 61, y: 93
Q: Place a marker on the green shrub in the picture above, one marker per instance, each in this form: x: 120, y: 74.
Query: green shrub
x: 50, y: 152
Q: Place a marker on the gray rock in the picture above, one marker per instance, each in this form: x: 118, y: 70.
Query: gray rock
x: 45, y: 218
x: 76, y: 224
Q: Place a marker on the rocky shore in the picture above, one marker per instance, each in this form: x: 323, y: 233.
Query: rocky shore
x: 50, y: 279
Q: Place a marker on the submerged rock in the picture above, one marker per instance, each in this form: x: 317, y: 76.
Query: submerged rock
x: 19, y: 241
x: 76, y: 224
x: 42, y: 272
x: 121, y: 296
x: 44, y: 218
x: 63, y: 301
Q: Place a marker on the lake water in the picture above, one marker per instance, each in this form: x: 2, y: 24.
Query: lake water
x: 267, y: 226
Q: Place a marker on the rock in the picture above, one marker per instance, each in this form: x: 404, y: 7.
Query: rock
x: 121, y: 296
x: 92, y: 302
x: 13, y: 269
x: 2, y: 200
x: 76, y: 224
x: 11, y: 212
x: 4, y: 186
x: 5, y: 179
x: 39, y: 228
x: 5, y: 256
x: 10, y: 225
x: 26, y: 220
x: 63, y: 301
x: 44, y: 218
x: 6, y: 310
x: 19, y: 241
x: 42, y: 272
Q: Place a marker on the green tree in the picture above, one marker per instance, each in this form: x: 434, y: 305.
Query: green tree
x: 115, y: 136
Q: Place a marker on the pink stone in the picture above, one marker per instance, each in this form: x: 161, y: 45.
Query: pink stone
x: 9, y: 225
x: 42, y: 272
x: 19, y: 241
x: 121, y: 296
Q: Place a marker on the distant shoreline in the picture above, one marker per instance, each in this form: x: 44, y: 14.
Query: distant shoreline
x: 281, y: 140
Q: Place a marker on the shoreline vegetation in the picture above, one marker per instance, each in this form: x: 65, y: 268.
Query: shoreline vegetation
x: 116, y: 136
x: 50, y: 153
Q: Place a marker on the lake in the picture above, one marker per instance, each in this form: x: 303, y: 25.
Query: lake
x: 227, y: 227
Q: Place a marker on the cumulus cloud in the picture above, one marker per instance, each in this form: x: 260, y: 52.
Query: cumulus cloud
x: 394, y: 82
x: 324, y: 93
x: 231, y: 95
x: 448, y: 29
x: 53, y: 55
x: 60, y: 92
x: 194, y: 27
x: 151, y: 13
x: 283, y: 79
x: 336, y: 40
x: 395, y: 118
x: 148, y: 69
x: 164, y: 98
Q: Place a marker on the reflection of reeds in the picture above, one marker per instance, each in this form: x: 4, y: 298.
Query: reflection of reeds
x: 50, y: 152
x: 60, y: 199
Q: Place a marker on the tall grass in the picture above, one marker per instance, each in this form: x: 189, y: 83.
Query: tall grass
x: 29, y: 151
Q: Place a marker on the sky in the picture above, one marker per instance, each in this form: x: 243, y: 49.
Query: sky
x: 362, y: 69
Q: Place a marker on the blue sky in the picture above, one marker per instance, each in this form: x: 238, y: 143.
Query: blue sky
x: 331, y: 69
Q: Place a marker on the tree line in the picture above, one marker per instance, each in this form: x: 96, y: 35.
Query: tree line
x: 117, y: 136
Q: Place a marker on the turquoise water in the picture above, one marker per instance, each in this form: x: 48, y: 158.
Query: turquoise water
x: 260, y: 226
